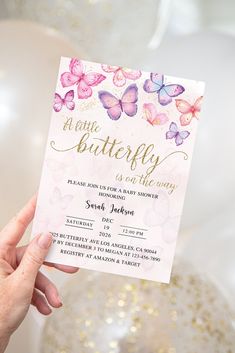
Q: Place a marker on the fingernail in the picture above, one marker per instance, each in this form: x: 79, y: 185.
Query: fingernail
x: 58, y: 297
x: 44, y: 241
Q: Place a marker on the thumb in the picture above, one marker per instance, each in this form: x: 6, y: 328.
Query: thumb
x: 34, y: 257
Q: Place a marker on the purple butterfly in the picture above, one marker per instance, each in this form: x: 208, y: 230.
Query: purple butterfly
x: 67, y: 101
x: 165, y: 92
x: 174, y: 132
x: 116, y: 106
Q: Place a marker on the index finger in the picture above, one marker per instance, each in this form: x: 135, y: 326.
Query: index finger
x: 14, y: 230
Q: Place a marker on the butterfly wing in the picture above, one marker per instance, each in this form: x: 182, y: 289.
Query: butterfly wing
x: 150, y: 86
x: 130, y: 94
x: 68, y: 99
x: 158, y: 79
x: 58, y: 200
x: 167, y: 92
x: 76, y: 67
x: 56, y: 196
x: 186, y: 109
x: 149, y: 112
x: 57, y: 169
x: 131, y: 74
x: 129, y: 108
x: 111, y: 103
x: 183, y: 106
x: 115, y: 112
x: 184, y: 134
x: 70, y: 78
x: 163, y: 97
x: 160, y: 119
x: 109, y: 68
x: 65, y: 201
x: 154, y: 84
x: 107, y: 99
x: 119, y: 79
x: 173, y: 131
x: 93, y: 78
x: 181, y: 136
x: 185, y: 119
x: 58, y: 103
x: 174, y: 90
x: 84, y: 91
x: 197, y: 106
x: 129, y: 98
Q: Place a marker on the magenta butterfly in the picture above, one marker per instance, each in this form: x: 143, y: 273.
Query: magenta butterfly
x: 84, y: 81
x: 174, y: 132
x: 165, y: 92
x: 116, y: 106
x: 66, y: 101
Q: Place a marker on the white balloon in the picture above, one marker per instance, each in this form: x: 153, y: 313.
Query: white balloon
x: 106, y: 29
x: 208, y: 57
x: 29, y: 63
x: 212, y: 248
x: 107, y: 313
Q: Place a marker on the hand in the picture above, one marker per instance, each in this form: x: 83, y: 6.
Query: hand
x: 21, y: 283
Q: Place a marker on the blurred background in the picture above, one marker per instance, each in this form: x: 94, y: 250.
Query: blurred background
x: 193, y: 39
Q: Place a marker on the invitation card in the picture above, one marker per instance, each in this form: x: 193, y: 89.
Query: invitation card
x: 116, y: 167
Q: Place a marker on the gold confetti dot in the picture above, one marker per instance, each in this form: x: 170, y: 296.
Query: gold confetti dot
x: 122, y: 314
x: 133, y: 328
x: 128, y: 287
x: 121, y: 303
x: 109, y: 320
x: 88, y: 323
x: 113, y: 344
x: 82, y: 336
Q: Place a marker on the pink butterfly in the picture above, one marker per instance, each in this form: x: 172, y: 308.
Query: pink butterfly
x: 67, y: 101
x: 116, y: 106
x: 62, y: 201
x: 152, y: 116
x: 48, y: 221
x: 121, y: 74
x: 188, y: 111
x: 83, y: 80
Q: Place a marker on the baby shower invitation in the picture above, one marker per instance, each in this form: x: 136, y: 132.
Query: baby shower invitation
x: 116, y: 167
